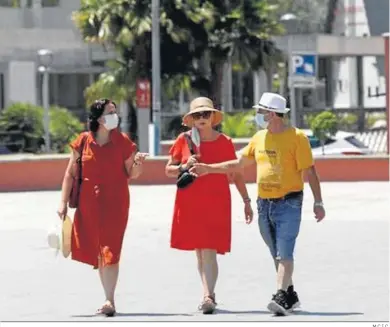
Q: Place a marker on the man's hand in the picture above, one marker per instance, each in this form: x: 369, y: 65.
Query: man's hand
x: 200, y: 169
x: 319, y: 212
x: 248, y: 213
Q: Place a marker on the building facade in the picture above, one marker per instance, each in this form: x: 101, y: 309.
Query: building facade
x: 27, y: 26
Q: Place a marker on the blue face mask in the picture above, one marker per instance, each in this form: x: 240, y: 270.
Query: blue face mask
x: 260, y: 121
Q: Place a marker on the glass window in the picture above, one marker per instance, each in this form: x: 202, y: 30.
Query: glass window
x: 2, y: 102
x: 10, y: 3
x: 45, y: 3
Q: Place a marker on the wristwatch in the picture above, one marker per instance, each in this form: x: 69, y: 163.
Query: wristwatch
x: 246, y: 200
x: 181, y: 169
x: 318, y: 204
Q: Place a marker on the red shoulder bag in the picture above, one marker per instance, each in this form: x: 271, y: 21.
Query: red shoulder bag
x: 77, y: 178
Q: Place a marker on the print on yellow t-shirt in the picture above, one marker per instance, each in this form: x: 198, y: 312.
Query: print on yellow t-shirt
x: 281, y: 159
x: 270, y: 166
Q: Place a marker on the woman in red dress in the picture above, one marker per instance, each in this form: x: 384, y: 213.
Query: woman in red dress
x: 202, y: 212
x: 108, y: 160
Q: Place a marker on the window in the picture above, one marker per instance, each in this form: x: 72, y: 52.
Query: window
x: 2, y: 101
x: 44, y: 3
x: 10, y: 3
x: 50, y: 3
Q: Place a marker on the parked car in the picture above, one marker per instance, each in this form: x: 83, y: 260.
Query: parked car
x: 343, y: 143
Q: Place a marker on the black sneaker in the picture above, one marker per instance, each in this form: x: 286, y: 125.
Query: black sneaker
x: 293, y: 298
x: 280, y: 304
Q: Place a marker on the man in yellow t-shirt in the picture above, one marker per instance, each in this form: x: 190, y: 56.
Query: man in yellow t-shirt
x: 282, y: 154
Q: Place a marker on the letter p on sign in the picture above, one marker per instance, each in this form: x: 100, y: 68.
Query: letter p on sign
x: 297, y: 62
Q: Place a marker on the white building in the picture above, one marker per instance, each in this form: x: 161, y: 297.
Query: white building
x: 37, y: 24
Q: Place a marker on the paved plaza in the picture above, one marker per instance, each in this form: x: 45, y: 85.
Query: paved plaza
x: 342, y: 264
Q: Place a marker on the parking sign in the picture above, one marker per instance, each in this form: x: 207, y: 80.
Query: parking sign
x: 303, y: 70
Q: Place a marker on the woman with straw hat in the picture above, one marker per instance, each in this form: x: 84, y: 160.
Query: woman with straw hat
x: 202, y: 212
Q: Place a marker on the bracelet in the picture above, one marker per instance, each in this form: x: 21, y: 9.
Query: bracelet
x: 318, y: 204
x: 246, y: 200
x: 181, y: 169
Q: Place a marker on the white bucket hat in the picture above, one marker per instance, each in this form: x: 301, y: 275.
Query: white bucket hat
x: 59, y: 238
x: 272, y: 102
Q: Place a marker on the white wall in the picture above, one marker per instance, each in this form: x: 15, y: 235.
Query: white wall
x: 22, y: 82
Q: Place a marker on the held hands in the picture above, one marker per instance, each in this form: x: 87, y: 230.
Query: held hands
x: 319, y: 211
x: 200, y: 169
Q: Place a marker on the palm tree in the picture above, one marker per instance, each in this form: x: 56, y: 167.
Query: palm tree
x: 240, y: 32
x: 197, y: 38
x: 125, y: 27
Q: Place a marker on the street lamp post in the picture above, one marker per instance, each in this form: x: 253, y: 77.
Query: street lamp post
x: 156, y: 79
x: 45, y: 59
x: 293, y: 116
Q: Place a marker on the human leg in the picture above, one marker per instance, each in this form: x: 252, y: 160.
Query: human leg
x: 109, y: 278
x: 287, y: 217
x: 208, y: 269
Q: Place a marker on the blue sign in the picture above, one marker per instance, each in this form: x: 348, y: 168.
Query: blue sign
x: 304, y: 65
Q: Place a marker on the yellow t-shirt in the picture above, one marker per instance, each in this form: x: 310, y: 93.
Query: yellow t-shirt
x: 281, y: 159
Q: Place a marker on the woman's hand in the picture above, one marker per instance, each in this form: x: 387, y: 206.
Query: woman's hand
x: 248, y: 212
x: 191, y: 161
x: 62, y: 210
x: 140, y: 158
x: 199, y: 169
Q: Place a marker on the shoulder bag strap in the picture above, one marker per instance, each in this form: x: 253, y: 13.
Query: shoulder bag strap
x: 190, y: 143
x: 81, y: 156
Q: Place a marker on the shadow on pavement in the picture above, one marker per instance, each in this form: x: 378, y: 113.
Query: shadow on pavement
x: 135, y: 314
x: 327, y: 314
x: 254, y: 312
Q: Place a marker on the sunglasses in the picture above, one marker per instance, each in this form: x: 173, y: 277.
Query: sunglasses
x: 202, y: 114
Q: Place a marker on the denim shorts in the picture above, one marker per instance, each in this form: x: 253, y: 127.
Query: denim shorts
x: 279, y: 223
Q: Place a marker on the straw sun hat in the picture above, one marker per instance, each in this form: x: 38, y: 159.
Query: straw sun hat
x: 59, y: 238
x: 202, y: 104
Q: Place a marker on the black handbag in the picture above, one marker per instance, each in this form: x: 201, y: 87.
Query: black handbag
x: 185, y: 178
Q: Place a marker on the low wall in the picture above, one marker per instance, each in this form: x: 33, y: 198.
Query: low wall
x: 44, y: 172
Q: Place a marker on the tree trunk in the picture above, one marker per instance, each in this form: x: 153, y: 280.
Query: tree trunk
x: 132, y: 118
x: 240, y: 100
x: 216, y: 83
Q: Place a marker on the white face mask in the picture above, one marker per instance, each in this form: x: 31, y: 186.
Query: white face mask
x: 260, y: 121
x: 111, y: 121
x: 195, y: 137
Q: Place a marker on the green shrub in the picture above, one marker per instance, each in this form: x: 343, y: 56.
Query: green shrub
x: 21, y: 128
x: 64, y: 127
x: 323, y: 125
x: 239, y: 125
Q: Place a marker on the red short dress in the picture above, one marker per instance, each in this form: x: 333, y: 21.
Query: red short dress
x: 100, y: 220
x: 202, y: 211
